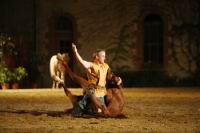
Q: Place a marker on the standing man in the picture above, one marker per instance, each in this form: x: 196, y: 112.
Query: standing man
x: 97, y: 73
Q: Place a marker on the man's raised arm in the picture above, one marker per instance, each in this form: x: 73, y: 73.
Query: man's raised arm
x: 85, y: 64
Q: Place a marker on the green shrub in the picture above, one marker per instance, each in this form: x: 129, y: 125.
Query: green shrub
x: 5, y: 74
x: 18, y: 74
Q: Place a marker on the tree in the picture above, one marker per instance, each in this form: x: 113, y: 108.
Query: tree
x: 121, y: 48
x: 185, y: 32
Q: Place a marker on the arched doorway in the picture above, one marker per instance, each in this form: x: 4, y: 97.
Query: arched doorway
x: 153, y: 42
x: 64, y: 36
x: 62, y: 32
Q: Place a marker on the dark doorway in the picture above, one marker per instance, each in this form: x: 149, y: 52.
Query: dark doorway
x: 153, y: 42
x: 61, y: 36
x: 64, y: 33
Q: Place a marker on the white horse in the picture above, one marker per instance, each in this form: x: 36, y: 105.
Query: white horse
x: 57, y: 71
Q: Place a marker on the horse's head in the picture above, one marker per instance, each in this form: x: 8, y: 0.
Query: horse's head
x: 112, y: 83
x: 62, y: 60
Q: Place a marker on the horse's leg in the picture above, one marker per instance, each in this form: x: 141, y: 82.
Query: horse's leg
x: 119, y: 97
x: 81, y: 81
x: 108, y: 97
x: 73, y: 98
x: 57, y: 83
x: 116, y: 104
x: 98, y: 105
x: 85, y: 84
x: 54, y: 84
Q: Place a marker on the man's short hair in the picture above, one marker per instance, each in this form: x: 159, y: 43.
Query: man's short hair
x: 97, y: 51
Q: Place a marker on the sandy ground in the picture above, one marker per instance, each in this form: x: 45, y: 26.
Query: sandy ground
x: 168, y: 110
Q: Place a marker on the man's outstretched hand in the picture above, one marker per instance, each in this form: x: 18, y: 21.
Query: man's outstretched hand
x: 74, y: 47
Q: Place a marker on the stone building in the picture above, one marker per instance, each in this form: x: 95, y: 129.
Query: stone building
x: 140, y: 36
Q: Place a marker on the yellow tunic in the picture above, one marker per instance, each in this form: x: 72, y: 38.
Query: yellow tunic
x: 97, y: 76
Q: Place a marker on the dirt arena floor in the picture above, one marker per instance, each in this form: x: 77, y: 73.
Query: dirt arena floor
x: 168, y: 110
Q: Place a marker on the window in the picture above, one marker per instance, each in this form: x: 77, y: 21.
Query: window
x: 64, y: 24
x: 153, y: 41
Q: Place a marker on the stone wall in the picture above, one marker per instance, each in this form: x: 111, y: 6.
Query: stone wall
x: 102, y: 24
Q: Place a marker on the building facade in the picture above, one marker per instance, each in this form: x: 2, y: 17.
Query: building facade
x: 139, y: 36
